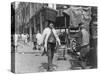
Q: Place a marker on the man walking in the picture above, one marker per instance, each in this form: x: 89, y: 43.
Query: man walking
x: 84, y: 46
x: 50, y: 37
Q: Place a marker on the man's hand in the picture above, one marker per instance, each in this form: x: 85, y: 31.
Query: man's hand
x: 59, y: 43
x: 45, y: 46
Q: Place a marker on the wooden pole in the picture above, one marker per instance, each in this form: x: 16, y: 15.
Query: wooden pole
x: 65, y: 27
x: 41, y: 26
x: 34, y: 24
x: 30, y: 27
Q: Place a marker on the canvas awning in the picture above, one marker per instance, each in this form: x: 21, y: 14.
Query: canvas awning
x: 75, y: 15
x: 78, y: 15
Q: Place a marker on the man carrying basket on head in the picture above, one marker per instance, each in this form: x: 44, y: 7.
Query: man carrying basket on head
x: 50, y: 38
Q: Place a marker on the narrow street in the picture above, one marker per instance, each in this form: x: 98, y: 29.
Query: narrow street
x: 30, y: 60
x: 72, y: 29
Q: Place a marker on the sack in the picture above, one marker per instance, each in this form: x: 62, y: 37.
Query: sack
x: 52, y: 38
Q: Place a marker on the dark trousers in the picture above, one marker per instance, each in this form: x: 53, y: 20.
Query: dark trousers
x: 84, y: 51
x: 83, y: 55
x: 50, y: 52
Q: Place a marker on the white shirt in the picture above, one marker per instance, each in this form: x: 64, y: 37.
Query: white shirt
x: 46, y: 34
x: 85, y: 37
x: 38, y: 37
x: 16, y: 38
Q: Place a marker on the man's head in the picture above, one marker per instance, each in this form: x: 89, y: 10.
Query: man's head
x: 82, y: 25
x: 51, y: 25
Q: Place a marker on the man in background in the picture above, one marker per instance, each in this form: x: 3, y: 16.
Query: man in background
x: 84, y: 45
x: 38, y: 37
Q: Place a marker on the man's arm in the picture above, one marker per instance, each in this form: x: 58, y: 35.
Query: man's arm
x: 44, y: 35
x: 56, y: 36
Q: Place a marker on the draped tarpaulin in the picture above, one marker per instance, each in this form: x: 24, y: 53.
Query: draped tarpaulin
x: 79, y: 15
x: 75, y: 15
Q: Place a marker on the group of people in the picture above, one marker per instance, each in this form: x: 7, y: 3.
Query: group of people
x: 20, y: 37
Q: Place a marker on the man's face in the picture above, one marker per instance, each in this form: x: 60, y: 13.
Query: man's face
x: 51, y: 25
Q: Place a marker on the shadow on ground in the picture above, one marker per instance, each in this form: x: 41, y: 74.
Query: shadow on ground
x: 44, y: 67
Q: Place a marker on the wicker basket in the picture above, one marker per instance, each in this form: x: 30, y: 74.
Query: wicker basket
x: 50, y: 14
